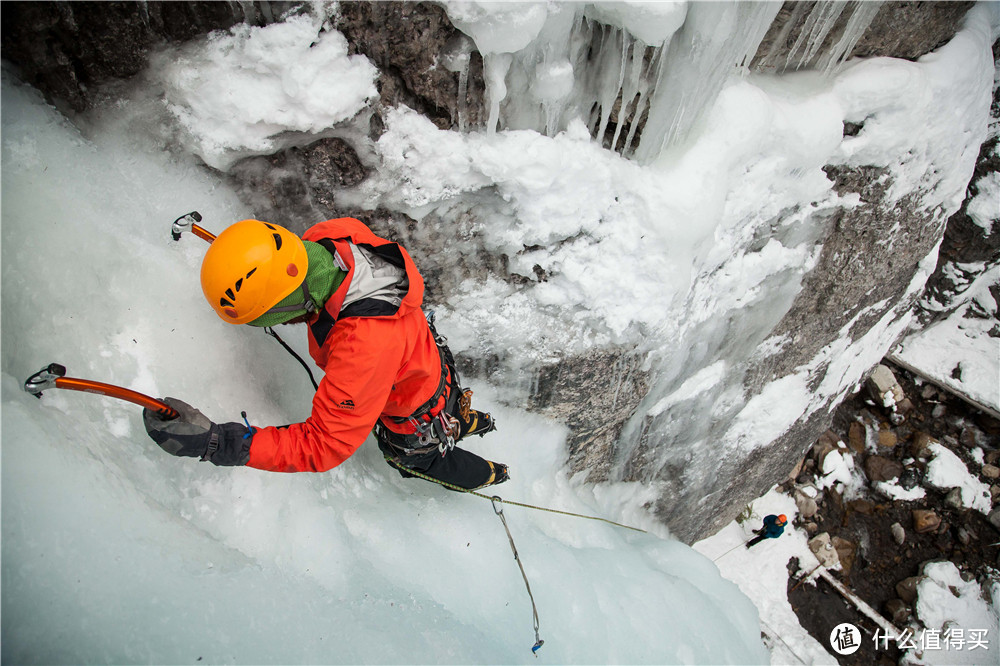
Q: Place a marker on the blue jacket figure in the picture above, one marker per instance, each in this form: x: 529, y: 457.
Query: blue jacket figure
x: 774, y: 527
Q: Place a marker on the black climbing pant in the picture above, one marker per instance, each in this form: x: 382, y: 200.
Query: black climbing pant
x: 457, y: 467
x: 757, y: 539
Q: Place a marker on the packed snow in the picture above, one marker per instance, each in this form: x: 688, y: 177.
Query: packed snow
x: 237, y: 91
x: 104, y: 535
x: 961, y: 351
x: 946, y: 471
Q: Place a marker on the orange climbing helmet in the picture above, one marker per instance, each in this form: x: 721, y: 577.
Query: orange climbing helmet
x: 782, y: 519
x: 250, y: 267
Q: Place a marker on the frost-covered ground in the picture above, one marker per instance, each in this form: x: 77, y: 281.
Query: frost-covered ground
x: 112, y: 551
x: 951, y: 609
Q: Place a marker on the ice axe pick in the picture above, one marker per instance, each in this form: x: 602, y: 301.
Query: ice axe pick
x: 54, y: 376
x: 189, y: 222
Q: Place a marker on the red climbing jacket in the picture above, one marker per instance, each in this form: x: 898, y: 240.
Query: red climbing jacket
x: 374, y: 343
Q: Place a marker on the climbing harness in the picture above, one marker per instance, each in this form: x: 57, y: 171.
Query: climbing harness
x: 497, y: 503
x: 433, y: 431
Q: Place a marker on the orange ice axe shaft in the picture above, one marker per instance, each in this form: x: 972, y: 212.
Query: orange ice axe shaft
x: 54, y: 376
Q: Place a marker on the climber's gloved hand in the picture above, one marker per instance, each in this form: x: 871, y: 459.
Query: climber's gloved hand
x: 192, y: 435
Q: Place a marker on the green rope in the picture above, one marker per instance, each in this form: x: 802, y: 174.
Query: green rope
x: 493, y: 498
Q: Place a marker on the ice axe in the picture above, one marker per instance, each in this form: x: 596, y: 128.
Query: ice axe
x: 188, y: 223
x: 54, y: 376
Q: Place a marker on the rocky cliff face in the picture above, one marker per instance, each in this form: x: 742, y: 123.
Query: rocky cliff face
x: 861, y: 283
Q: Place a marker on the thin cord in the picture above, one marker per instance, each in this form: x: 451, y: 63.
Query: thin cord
x: 270, y: 331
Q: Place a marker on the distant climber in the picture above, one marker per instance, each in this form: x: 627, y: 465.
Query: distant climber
x: 386, y: 367
x: 773, y: 527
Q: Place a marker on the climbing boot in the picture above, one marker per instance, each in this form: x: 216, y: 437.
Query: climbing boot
x: 471, y: 422
x: 498, y: 474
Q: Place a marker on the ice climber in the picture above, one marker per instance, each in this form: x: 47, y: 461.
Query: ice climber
x: 386, y: 368
x: 773, y: 527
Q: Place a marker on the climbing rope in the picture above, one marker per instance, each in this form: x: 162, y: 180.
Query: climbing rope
x: 450, y: 486
x: 498, y: 509
x: 730, y: 550
x: 498, y: 502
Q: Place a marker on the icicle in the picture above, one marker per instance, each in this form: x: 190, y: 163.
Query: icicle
x: 632, y: 71
x: 144, y: 12
x: 818, y: 25
x: 495, y: 66
x: 768, y: 61
x: 613, y: 91
x: 457, y: 57
x: 642, y: 104
x: 246, y: 8
x: 857, y: 24
x: 265, y: 9
x: 715, y: 39
x: 463, y: 92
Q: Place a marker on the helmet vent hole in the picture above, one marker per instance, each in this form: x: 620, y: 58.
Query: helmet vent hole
x: 223, y: 302
x: 277, y: 241
x: 230, y: 294
x: 239, y: 283
x: 269, y: 226
x: 252, y: 271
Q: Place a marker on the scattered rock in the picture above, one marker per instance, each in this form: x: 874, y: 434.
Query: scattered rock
x: 993, y: 457
x: 898, y: 534
x: 857, y: 436
x: 928, y: 392
x: 812, y: 528
x: 965, y: 537
x: 794, y: 474
x: 861, y: 506
x: 938, y: 411
x: 826, y: 443
x: 910, y: 478
x: 907, y: 589
x: 845, y: 553
x: 806, y: 505
x: 898, y: 611
x: 954, y: 499
x: 905, y: 406
x: 994, y: 492
x: 991, y: 471
x: 886, y: 437
x: 994, y: 518
x: 822, y: 548
x: 969, y: 438
x: 879, y: 468
x: 919, y: 445
x: 884, y: 387
x: 925, y: 521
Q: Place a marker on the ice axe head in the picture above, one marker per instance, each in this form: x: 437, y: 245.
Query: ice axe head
x: 44, y: 379
x: 184, y: 223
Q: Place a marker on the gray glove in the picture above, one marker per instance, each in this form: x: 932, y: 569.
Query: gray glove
x: 192, y: 435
